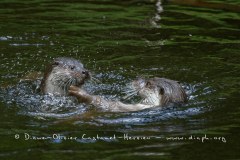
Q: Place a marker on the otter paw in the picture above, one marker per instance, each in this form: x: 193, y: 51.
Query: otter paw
x: 76, y: 91
x: 74, y: 88
x: 80, y: 94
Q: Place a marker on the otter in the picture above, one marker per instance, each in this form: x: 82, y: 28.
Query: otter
x: 61, y: 74
x: 155, y: 92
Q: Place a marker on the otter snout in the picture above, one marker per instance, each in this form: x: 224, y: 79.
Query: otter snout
x: 86, y: 74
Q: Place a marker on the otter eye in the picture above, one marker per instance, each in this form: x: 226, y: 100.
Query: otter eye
x: 161, y: 91
x: 56, y: 63
x: 148, y: 84
x: 72, y: 67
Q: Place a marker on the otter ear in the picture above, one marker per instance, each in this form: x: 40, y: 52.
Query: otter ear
x: 161, y: 91
x: 55, y: 63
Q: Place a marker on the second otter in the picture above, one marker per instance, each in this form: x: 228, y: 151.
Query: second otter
x: 154, y: 92
x: 62, y: 73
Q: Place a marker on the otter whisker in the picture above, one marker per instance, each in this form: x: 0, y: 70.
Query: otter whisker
x: 95, y: 80
x: 67, y: 84
x: 130, y: 91
x: 77, y: 81
x: 129, y: 84
x: 128, y: 96
x: 61, y: 81
x: 71, y: 82
x: 58, y: 79
x: 129, y: 87
x: 61, y: 84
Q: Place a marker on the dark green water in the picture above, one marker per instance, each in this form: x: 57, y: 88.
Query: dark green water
x: 119, y: 40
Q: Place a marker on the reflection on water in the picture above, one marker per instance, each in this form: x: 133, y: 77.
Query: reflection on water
x: 194, y: 42
x: 156, y: 19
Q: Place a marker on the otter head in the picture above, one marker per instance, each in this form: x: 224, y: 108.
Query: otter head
x: 62, y: 73
x: 159, y: 91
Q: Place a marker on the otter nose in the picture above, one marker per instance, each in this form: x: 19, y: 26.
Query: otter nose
x: 86, y: 73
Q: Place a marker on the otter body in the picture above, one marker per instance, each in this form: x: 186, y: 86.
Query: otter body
x: 62, y: 73
x: 155, y: 92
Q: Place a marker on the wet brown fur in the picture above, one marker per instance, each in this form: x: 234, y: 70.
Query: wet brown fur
x: 172, y: 91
